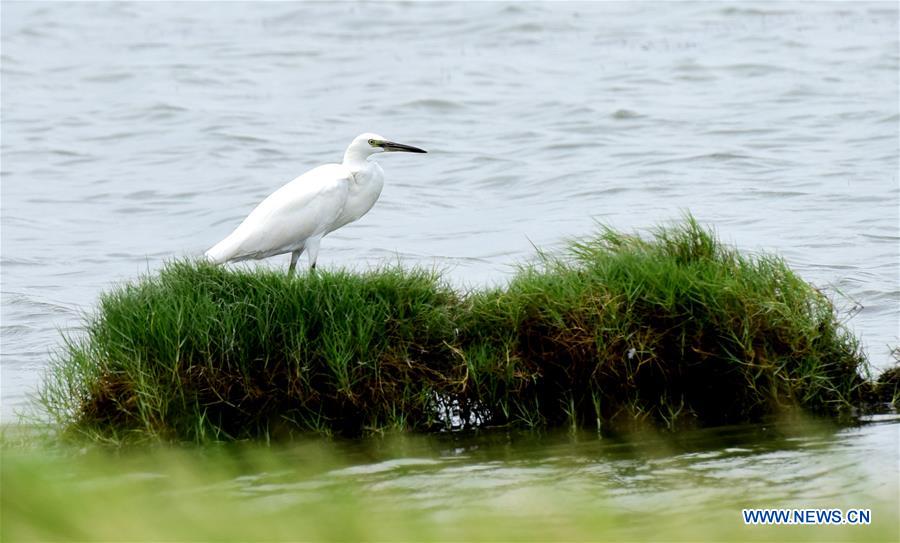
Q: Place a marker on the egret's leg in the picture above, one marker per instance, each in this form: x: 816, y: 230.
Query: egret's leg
x: 312, y: 251
x: 294, y: 256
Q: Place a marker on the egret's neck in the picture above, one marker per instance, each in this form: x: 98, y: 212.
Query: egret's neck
x: 356, y: 159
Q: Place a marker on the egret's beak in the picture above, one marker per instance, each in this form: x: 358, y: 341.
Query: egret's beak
x: 391, y: 146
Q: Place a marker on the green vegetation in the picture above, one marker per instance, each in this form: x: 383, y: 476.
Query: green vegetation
x: 686, y: 486
x: 619, y: 331
x: 887, y: 387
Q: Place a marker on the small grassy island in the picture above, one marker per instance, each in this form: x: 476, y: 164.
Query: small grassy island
x: 620, y: 331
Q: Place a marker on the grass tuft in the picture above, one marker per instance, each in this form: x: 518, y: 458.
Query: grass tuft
x: 617, y: 332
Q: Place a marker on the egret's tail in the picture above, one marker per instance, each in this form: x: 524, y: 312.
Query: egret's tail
x: 221, y: 252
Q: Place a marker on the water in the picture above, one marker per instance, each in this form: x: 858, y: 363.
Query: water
x: 569, y: 486
x: 734, y: 465
x: 137, y: 133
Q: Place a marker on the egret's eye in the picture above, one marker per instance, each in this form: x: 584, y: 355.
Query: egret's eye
x: 372, y: 143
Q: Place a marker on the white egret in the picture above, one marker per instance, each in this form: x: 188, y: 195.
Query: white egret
x: 297, y: 216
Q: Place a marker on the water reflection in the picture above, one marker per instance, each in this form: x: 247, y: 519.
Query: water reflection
x: 801, y: 463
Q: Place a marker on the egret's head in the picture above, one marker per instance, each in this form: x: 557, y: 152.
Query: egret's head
x: 365, y: 145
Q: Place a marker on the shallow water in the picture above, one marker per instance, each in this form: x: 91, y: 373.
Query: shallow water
x: 561, y: 486
x: 136, y: 133
x: 816, y: 466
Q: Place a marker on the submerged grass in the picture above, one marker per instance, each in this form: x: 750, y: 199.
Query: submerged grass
x: 674, y: 330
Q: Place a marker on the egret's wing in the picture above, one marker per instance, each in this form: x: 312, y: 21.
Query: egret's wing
x: 281, y: 223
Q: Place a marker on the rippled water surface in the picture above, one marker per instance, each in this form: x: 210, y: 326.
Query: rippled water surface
x: 689, y: 486
x: 734, y: 464
x: 136, y: 133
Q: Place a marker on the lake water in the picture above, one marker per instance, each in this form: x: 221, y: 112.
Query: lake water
x: 137, y: 133
x: 690, y: 486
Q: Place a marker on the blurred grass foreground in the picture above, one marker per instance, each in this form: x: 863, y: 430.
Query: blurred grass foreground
x: 619, y: 331
x: 489, y: 486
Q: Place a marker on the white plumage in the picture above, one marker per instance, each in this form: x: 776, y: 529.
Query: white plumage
x: 297, y: 216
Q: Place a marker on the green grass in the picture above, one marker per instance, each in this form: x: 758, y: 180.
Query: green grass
x: 617, y: 332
